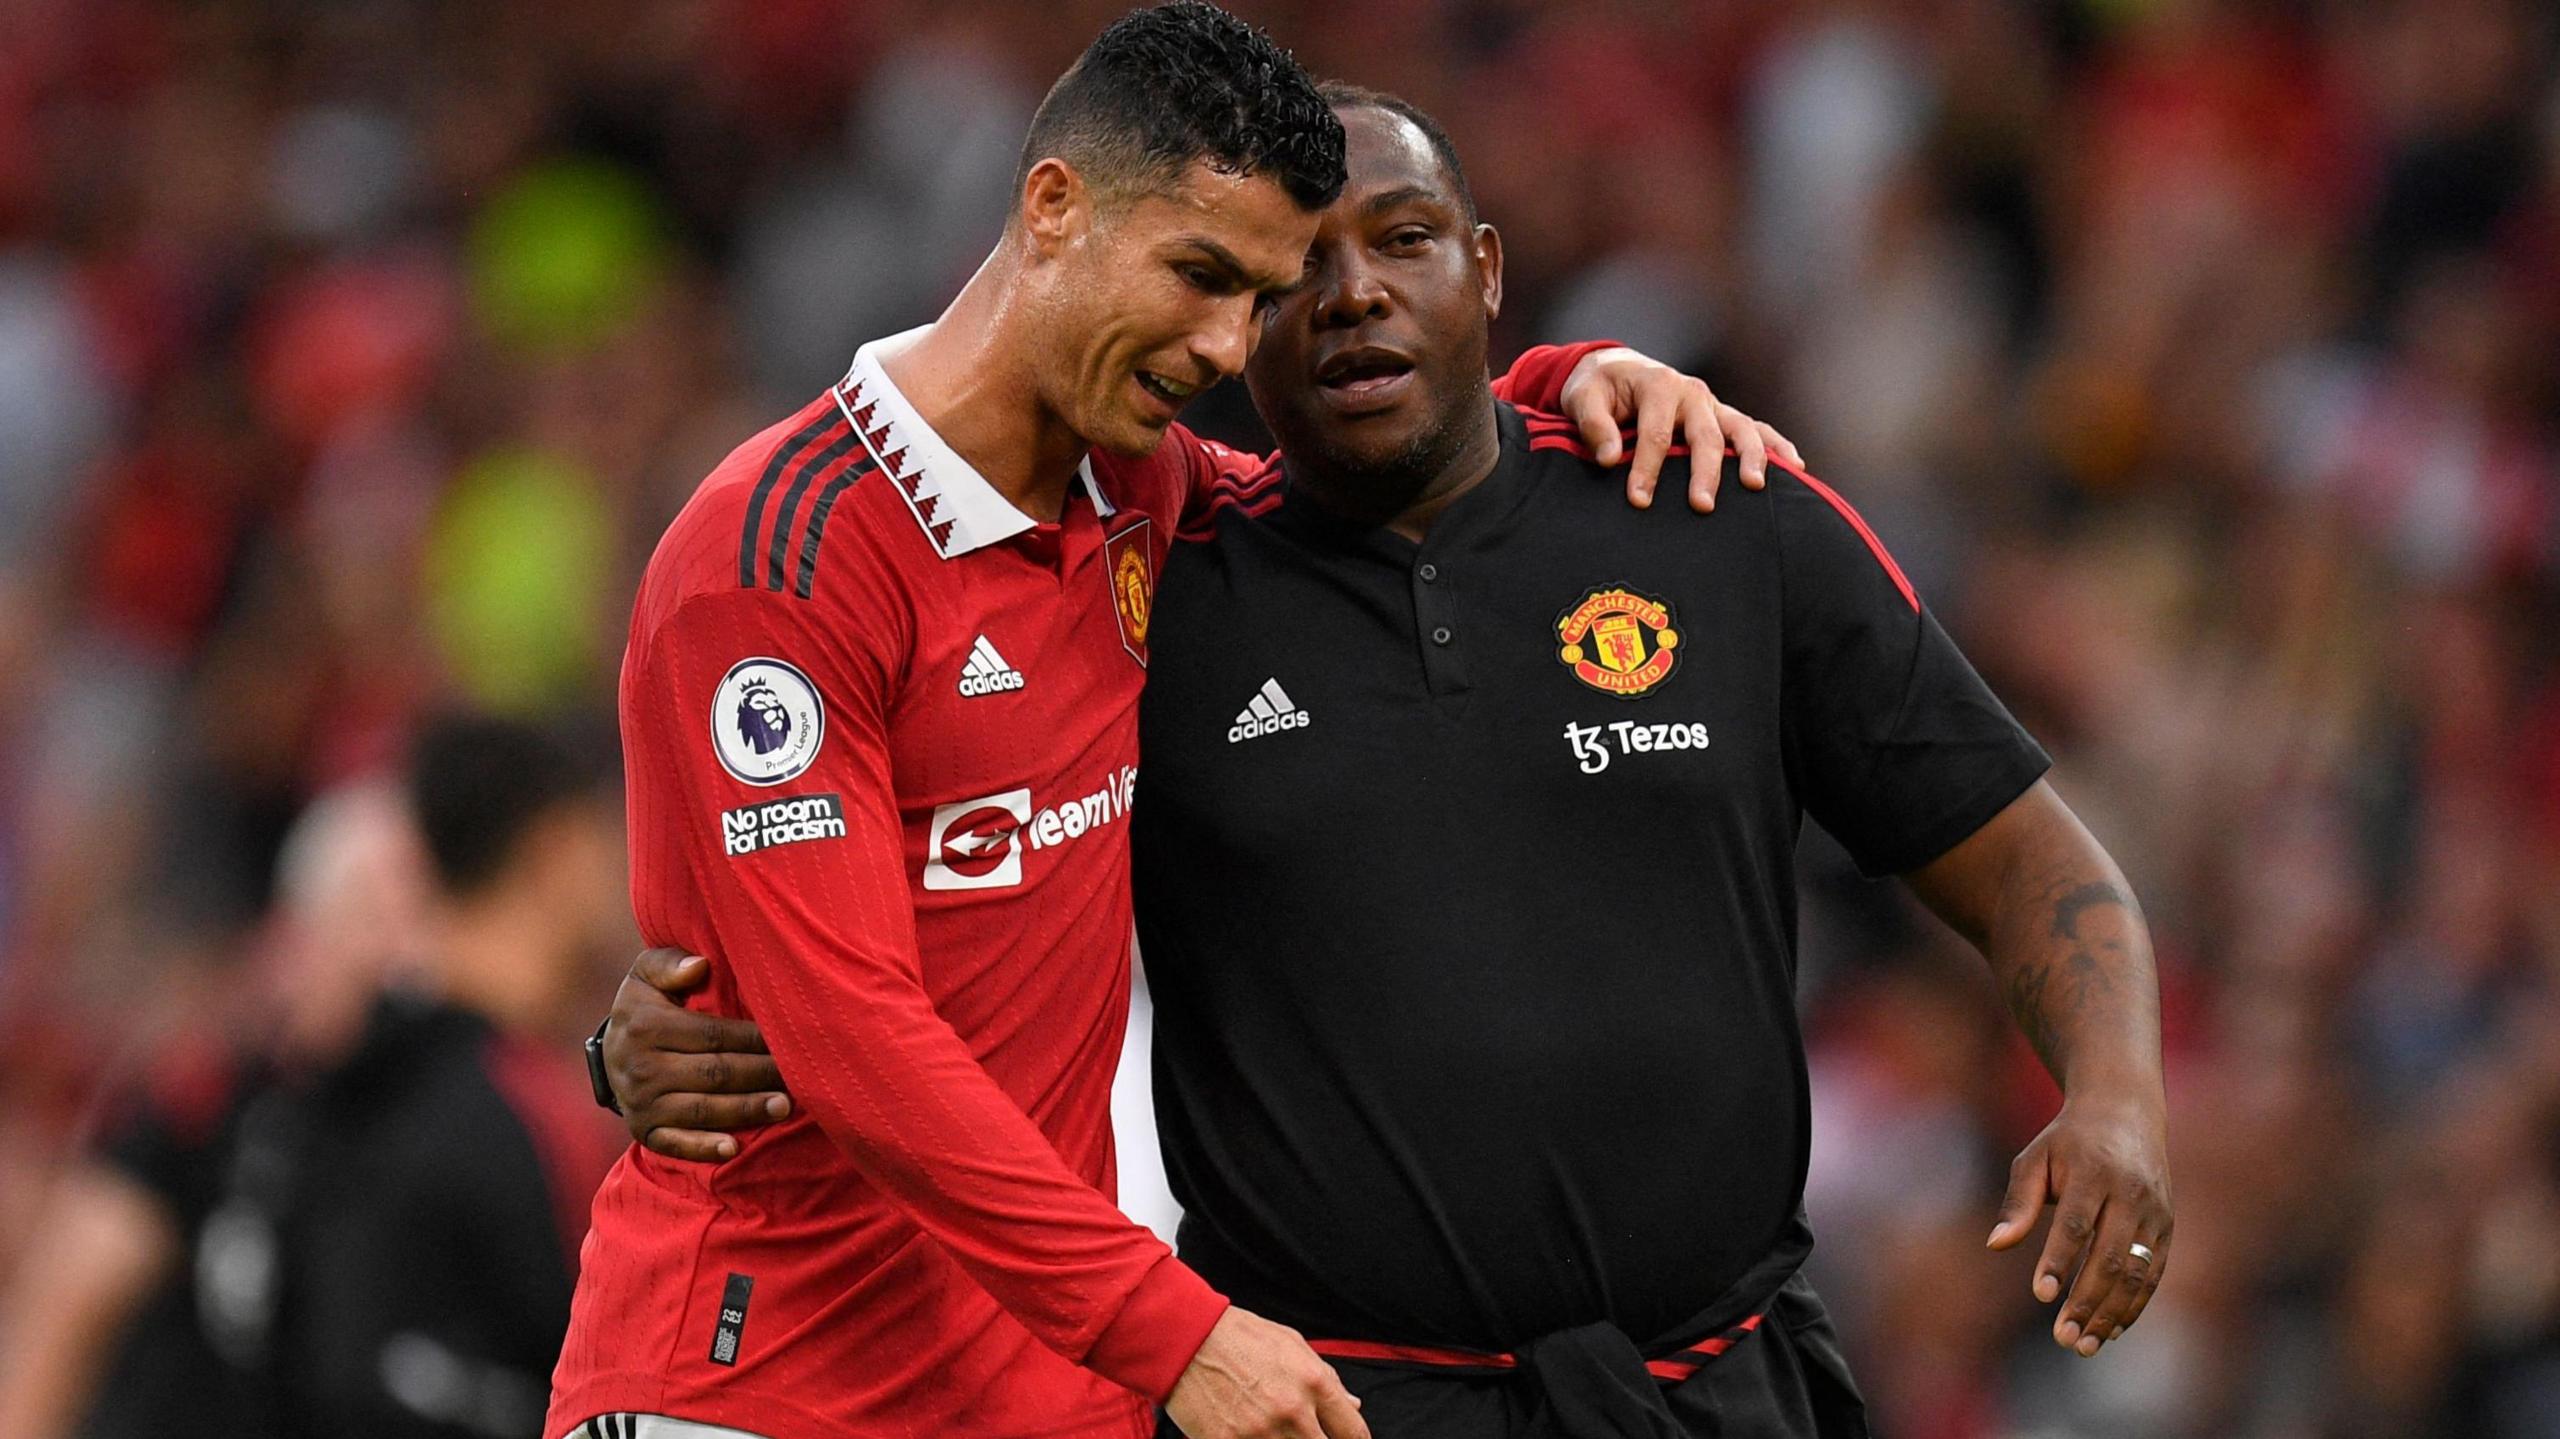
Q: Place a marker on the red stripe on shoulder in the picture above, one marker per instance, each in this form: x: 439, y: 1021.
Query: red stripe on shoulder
x: 1874, y: 546
x: 1251, y: 503
x: 1252, y: 484
x: 1569, y: 439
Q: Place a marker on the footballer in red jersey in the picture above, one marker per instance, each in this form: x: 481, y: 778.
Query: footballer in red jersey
x: 879, y: 715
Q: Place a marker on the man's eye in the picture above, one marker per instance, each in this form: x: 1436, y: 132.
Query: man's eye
x: 1408, y: 239
x: 1199, y: 278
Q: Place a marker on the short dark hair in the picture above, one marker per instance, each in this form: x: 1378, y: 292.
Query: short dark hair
x: 477, y: 783
x: 1165, y: 86
x: 1343, y: 95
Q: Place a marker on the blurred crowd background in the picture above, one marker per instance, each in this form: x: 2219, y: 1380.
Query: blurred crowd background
x: 2200, y: 359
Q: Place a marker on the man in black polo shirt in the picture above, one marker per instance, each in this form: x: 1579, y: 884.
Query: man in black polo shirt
x: 1466, y: 883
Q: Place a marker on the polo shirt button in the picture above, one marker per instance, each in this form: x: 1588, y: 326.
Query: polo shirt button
x: 1429, y: 572
x: 1440, y: 636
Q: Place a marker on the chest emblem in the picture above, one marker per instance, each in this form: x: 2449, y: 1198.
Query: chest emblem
x: 1133, y: 585
x: 1618, y: 642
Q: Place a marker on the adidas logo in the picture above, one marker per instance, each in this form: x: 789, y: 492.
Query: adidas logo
x: 986, y: 673
x: 1271, y: 712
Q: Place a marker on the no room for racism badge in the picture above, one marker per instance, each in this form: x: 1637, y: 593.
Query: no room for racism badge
x: 1618, y: 642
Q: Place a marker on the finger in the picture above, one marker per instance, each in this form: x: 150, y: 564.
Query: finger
x: 2075, y: 1223
x: 2115, y: 1307
x: 684, y: 1031
x: 1294, y: 1419
x: 1338, y: 1412
x: 717, y: 1073
x: 2029, y: 1190
x: 691, y: 1144
x: 2106, y: 1265
x: 1589, y: 410
x: 1751, y: 453
x: 1706, y: 452
x: 2153, y: 1273
x: 1780, y: 445
x: 1655, y: 420
x: 715, y: 1113
x: 669, y: 970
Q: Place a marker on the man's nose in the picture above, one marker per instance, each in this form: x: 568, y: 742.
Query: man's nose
x: 1228, y: 340
x: 1351, y: 294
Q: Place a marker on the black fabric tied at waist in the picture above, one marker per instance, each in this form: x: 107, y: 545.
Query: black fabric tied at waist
x: 1594, y: 1381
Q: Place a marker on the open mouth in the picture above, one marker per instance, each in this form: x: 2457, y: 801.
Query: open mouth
x: 1365, y: 380
x: 1363, y: 371
x: 1174, y: 393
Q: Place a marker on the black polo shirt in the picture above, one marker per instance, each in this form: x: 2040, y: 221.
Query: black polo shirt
x: 1466, y: 884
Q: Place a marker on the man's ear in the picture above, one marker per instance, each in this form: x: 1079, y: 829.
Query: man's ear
x: 1056, y: 206
x: 1488, y: 243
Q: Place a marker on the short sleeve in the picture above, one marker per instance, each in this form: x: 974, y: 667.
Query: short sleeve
x: 1894, y: 743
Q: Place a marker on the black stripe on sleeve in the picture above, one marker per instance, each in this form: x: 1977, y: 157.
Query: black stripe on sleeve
x: 783, y: 455
x: 818, y: 522
x: 783, y: 528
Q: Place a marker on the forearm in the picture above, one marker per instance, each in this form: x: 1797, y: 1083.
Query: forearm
x: 1538, y: 378
x: 2066, y: 941
x: 2073, y: 959
x: 107, y: 1243
x: 2042, y: 900
x: 888, y: 1080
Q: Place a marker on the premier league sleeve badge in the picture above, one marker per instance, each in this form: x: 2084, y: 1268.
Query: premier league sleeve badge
x: 766, y: 721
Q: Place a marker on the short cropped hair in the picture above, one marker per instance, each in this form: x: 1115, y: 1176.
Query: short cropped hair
x: 1166, y: 86
x: 478, y: 783
x: 1343, y: 95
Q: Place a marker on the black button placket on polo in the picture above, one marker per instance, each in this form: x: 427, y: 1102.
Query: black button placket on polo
x: 1437, y: 625
x: 1459, y: 544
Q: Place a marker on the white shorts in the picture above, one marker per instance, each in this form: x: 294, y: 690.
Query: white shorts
x: 651, y: 1426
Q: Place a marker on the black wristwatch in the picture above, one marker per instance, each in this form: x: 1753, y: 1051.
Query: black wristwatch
x: 595, y: 1069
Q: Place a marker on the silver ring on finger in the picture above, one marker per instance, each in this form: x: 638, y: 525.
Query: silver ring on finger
x: 2141, y: 1253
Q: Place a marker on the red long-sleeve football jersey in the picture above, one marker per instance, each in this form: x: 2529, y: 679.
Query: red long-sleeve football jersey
x: 880, y: 735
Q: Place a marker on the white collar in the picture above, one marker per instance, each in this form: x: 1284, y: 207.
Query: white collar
x: 958, y: 510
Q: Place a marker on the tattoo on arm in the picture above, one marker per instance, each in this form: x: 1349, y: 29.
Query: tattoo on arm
x: 2049, y: 993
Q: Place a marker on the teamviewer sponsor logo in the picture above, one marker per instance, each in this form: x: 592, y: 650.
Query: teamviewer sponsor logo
x: 978, y: 843
x: 754, y: 827
x: 986, y: 673
x: 1270, y: 712
x: 973, y: 843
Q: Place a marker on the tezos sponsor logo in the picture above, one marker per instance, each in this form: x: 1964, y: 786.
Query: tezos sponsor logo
x: 766, y: 721
x: 1594, y: 745
x: 754, y: 827
x: 978, y: 843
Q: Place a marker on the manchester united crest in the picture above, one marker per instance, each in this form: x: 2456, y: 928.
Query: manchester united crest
x: 1133, y: 585
x: 1618, y: 642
